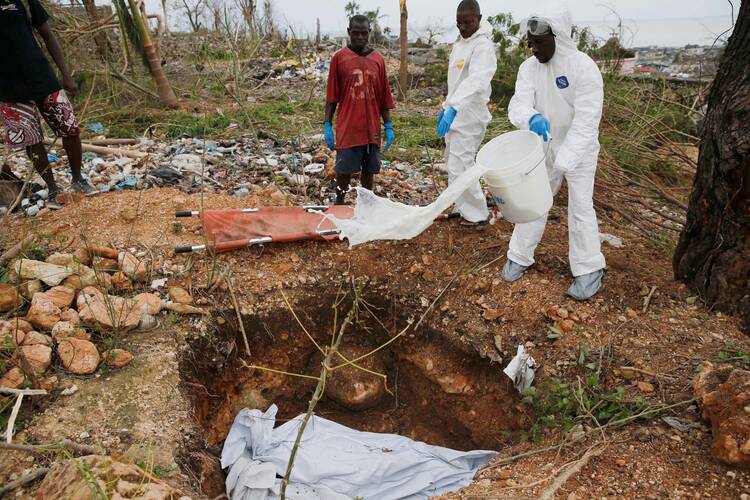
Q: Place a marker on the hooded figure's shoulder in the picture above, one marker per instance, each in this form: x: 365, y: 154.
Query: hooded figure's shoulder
x: 585, y: 65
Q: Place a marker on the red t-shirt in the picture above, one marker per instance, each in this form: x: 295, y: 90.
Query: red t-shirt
x: 359, y: 85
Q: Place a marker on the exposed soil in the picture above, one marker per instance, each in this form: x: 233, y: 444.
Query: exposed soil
x: 438, y: 393
x: 170, y: 418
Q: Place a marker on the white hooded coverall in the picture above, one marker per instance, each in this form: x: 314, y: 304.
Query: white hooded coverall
x: 568, y: 91
x: 472, y: 65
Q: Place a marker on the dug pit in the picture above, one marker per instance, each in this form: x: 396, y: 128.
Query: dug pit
x: 438, y: 390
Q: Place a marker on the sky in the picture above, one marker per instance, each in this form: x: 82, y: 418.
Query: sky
x: 645, y: 22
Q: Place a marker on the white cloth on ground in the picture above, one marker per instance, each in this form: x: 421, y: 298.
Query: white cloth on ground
x: 569, y: 91
x: 335, y: 462
x: 472, y: 64
x: 378, y: 218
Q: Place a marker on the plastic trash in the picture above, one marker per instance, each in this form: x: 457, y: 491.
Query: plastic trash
x: 129, y: 182
x: 521, y: 370
x: 241, y: 192
x: 32, y: 211
x: 158, y: 283
x: 167, y: 174
x: 611, y: 239
x: 51, y: 157
x: 96, y: 128
x: 314, y: 168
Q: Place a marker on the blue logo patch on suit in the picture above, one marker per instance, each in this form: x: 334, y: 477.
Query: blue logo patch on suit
x: 562, y: 82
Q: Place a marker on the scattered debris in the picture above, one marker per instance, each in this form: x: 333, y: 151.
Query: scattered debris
x: 722, y: 393
x: 521, y: 369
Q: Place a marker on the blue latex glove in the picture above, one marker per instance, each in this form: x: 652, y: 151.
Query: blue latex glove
x: 328, y: 132
x: 540, y: 126
x: 445, y: 123
x: 440, y: 118
x: 389, y: 135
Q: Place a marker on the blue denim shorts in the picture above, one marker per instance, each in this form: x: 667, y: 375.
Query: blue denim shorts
x: 353, y: 160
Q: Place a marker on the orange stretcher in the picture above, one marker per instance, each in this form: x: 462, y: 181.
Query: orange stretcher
x: 233, y: 229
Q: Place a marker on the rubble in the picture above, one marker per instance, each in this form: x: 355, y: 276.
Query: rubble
x: 117, y: 358
x: 39, y: 356
x: 13, y: 379
x: 61, y: 296
x: 264, y: 167
x: 133, y: 267
x: 724, y: 396
x: 71, y: 479
x: 49, y: 274
x: 180, y: 295
x: 9, y: 298
x: 107, y: 312
x: 66, y: 329
x: 43, y: 313
x: 36, y: 338
x: 30, y: 287
x: 78, y: 356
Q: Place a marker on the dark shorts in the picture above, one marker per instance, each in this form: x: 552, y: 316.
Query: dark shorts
x: 353, y: 160
x: 22, y: 125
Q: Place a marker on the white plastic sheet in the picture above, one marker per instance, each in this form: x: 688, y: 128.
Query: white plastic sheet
x: 378, y: 218
x: 521, y: 369
x: 335, y: 462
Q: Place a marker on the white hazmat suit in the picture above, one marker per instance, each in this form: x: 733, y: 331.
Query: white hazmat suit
x: 568, y: 91
x: 472, y: 65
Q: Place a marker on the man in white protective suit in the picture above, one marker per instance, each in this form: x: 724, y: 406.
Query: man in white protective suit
x: 559, y: 94
x: 464, y: 116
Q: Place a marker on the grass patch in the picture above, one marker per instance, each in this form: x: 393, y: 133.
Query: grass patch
x: 562, y: 404
x: 734, y: 355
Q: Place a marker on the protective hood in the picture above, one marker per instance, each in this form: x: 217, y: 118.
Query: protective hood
x: 558, y: 16
x: 485, y: 29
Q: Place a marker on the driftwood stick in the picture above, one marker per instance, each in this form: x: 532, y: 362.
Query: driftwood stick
x: 113, y: 151
x: 549, y: 492
x: 12, y: 419
x: 25, y: 392
x: 236, y: 305
x: 28, y: 478
x: 13, y: 251
x: 81, y: 449
x: 111, y: 142
x: 647, y: 300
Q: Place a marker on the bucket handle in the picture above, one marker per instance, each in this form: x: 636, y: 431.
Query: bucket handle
x: 544, y: 158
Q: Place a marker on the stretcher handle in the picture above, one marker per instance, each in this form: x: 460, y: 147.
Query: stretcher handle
x: 184, y: 213
x: 184, y: 249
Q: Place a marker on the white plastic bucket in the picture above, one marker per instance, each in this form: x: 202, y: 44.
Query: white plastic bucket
x: 517, y: 175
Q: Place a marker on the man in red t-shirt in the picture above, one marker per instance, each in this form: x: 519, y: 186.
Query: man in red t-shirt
x: 358, y: 86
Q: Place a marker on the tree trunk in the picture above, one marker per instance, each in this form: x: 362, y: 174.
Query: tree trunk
x: 403, y: 72
x: 248, y: 12
x: 217, y: 19
x: 100, y: 37
x: 166, y: 94
x: 317, y: 32
x: 164, y: 13
x: 713, y: 255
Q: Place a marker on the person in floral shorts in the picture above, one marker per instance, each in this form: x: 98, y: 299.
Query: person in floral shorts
x: 29, y: 88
